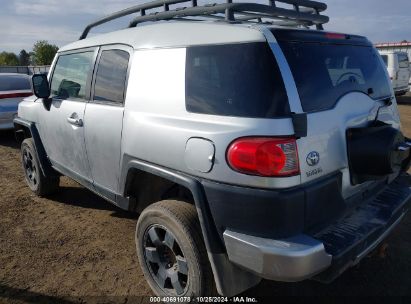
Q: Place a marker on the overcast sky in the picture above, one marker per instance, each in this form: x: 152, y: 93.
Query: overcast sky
x: 23, y: 22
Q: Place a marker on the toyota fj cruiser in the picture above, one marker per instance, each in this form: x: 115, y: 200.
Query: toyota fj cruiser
x: 252, y: 145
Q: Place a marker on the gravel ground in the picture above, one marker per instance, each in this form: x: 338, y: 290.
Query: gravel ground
x: 75, y: 247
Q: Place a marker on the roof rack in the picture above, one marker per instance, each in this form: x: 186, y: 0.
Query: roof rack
x: 301, y: 13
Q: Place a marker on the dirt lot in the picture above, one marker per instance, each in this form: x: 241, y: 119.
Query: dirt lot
x: 78, y: 247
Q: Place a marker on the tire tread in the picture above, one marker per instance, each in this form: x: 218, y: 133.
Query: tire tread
x: 186, y: 215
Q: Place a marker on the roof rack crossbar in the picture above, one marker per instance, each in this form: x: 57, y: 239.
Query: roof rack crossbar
x: 257, y: 10
x: 128, y: 11
x: 303, y: 12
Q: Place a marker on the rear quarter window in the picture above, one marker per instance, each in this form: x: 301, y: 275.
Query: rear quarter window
x: 241, y: 80
x: 14, y: 83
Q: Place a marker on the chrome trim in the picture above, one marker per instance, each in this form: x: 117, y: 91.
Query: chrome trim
x: 289, y: 260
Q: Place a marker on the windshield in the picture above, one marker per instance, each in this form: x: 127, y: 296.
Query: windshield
x: 324, y: 71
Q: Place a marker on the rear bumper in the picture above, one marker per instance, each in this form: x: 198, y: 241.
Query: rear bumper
x: 287, y: 260
x: 324, y: 254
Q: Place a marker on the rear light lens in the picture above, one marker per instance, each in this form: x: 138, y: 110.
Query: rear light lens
x: 264, y: 156
x: 14, y: 95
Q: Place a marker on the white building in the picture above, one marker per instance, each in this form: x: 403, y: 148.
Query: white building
x: 403, y: 46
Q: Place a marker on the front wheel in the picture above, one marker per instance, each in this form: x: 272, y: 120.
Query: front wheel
x: 39, y: 183
x: 171, y: 250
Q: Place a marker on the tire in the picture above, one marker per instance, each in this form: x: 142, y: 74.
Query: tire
x: 40, y: 184
x: 171, y: 250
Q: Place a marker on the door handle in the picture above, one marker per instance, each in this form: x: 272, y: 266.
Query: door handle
x: 74, y: 120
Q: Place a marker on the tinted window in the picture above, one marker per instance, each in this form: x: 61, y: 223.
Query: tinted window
x: 14, y: 83
x: 403, y: 61
x: 385, y: 59
x: 71, y: 74
x: 111, y: 76
x: 324, y: 72
x: 234, y: 80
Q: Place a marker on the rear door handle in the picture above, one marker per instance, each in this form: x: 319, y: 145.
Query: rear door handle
x: 74, y: 120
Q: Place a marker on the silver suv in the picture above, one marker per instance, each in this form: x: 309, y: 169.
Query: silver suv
x: 253, y: 146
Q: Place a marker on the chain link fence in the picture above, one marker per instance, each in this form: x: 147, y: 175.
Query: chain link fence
x: 29, y: 70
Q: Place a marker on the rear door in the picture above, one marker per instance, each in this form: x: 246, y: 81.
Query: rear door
x: 340, y: 80
x: 104, y: 116
x: 403, y: 75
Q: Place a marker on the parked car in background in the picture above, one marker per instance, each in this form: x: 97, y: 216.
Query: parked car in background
x: 398, y: 65
x: 13, y: 88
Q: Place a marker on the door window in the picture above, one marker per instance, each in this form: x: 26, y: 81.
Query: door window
x: 385, y: 59
x: 71, y: 74
x: 403, y: 61
x: 111, y: 76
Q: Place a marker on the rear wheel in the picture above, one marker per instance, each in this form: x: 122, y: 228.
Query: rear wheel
x: 171, y: 250
x: 40, y: 184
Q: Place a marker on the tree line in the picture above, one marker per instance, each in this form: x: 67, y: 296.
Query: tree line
x: 42, y: 54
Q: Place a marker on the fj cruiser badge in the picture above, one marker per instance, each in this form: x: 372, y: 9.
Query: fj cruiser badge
x: 313, y: 158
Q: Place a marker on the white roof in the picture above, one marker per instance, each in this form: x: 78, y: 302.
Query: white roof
x: 173, y: 34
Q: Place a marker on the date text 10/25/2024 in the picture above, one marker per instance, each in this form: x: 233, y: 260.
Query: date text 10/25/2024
x: 203, y: 300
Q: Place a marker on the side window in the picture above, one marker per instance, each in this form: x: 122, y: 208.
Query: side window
x: 240, y: 80
x: 71, y: 74
x: 111, y: 76
x: 403, y: 61
x: 385, y: 58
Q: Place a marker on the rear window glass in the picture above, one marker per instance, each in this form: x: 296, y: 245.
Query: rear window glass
x: 14, y: 83
x: 240, y: 80
x: 403, y: 61
x: 326, y: 71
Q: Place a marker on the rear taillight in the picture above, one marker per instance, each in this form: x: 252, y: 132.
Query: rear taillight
x: 264, y: 156
x: 14, y: 95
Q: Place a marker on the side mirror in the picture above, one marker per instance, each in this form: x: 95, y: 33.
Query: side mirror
x: 41, y: 89
x: 41, y: 86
